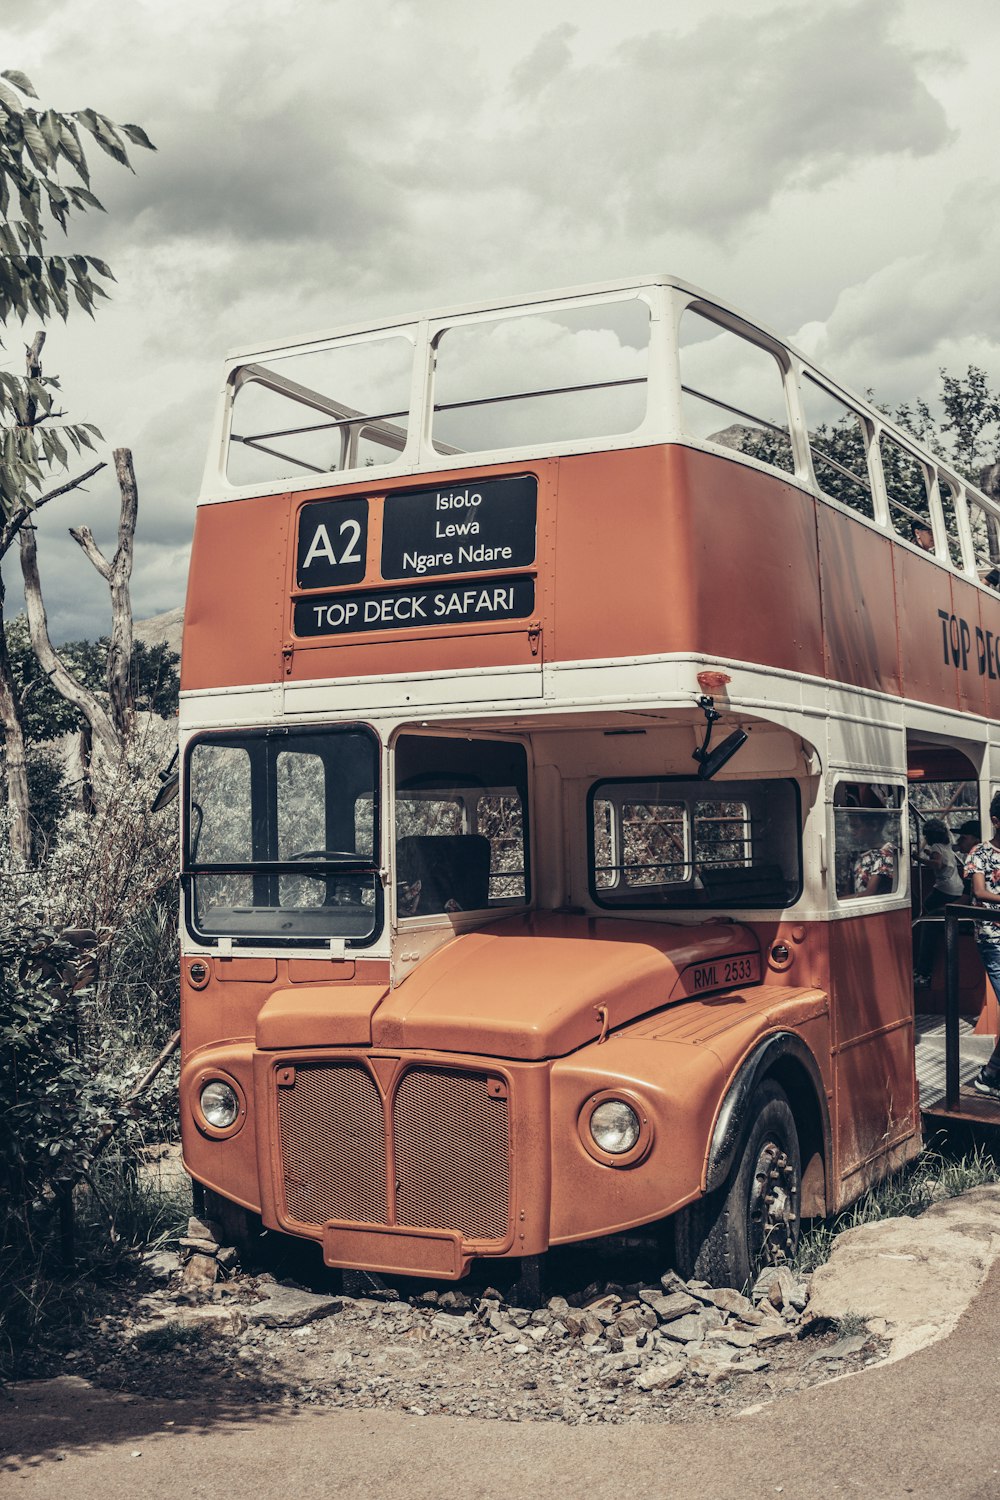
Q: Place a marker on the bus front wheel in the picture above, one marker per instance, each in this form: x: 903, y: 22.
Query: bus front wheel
x: 753, y: 1220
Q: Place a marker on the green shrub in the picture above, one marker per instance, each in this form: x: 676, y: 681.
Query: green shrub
x: 51, y: 1112
x: 50, y: 797
x: 51, y: 1109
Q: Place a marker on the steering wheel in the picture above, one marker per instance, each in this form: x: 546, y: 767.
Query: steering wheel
x: 343, y: 854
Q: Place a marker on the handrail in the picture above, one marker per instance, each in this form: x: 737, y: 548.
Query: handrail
x: 955, y: 912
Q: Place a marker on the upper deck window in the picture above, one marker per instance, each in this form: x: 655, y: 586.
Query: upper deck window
x: 321, y: 411
x: 905, y: 488
x: 561, y: 375
x: 839, y: 447
x: 733, y: 392
x: 949, y: 508
x: 985, y: 543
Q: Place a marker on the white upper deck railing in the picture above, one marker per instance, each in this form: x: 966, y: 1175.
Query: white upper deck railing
x: 625, y: 364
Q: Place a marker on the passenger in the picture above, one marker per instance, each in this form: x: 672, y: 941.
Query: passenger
x: 922, y: 534
x: 983, y: 867
x: 967, y: 836
x: 873, y: 871
x: 938, y: 853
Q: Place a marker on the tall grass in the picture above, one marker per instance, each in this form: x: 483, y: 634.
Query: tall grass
x: 932, y: 1177
x: 113, y: 875
x: 44, y: 1304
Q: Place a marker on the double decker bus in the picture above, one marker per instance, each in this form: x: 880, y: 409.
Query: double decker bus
x: 557, y: 679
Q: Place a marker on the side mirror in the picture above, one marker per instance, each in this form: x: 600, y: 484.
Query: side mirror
x: 169, y: 784
x: 717, y: 758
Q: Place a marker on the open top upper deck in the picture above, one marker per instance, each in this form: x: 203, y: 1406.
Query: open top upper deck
x: 640, y: 453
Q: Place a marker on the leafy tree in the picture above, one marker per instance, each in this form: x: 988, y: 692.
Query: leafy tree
x: 972, y: 413
x: 51, y: 797
x: 38, y: 149
x: 46, y: 714
x: 41, y: 152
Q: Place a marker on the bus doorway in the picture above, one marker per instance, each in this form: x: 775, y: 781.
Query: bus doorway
x: 944, y: 810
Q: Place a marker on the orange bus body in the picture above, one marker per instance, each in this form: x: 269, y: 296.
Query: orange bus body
x: 418, y: 1102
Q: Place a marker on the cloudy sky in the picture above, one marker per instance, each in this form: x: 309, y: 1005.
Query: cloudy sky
x: 830, y: 168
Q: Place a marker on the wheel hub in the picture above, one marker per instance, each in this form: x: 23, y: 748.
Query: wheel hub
x: 773, y: 1206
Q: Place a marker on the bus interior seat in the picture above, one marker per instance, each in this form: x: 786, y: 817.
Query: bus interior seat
x: 450, y: 867
x: 763, y: 884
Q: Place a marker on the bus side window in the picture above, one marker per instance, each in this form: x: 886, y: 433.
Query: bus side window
x: 541, y: 377
x: 949, y: 505
x: 461, y: 832
x: 686, y: 843
x: 985, y: 544
x: 839, y: 446
x: 655, y: 844
x: 733, y: 392
x: 867, y: 839
x: 321, y: 411
x: 905, y: 488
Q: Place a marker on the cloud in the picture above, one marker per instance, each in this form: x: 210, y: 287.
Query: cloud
x: 318, y: 163
x: 544, y: 63
x: 704, y: 130
x: 933, y: 307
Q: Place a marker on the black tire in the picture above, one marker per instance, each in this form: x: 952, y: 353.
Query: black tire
x: 753, y: 1219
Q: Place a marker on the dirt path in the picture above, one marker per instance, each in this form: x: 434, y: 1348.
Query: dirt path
x: 198, y: 1388
x: 922, y: 1426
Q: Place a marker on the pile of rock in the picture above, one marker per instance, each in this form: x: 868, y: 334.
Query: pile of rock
x: 202, y: 1255
x: 665, y: 1332
x: 611, y: 1352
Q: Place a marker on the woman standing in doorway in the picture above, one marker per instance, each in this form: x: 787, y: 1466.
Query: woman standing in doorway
x: 939, y: 854
x: 983, y: 868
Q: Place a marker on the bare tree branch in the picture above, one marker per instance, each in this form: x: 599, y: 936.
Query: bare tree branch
x: 49, y: 660
x: 120, y: 647
x: 33, y: 360
x: 14, y: 761
x: 117, y: 574
x: 14, y: 523
x: 84, y: 538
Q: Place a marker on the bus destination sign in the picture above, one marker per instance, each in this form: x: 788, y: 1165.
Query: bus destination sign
x: 333, y: 538
x: 409, y: 608
x: 469, y: 527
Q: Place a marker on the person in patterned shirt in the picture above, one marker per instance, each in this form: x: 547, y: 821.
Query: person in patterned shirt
x: 873, y: 871
x: 982, y: 867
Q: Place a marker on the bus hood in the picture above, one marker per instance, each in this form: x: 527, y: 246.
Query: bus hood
x: 542, y: 985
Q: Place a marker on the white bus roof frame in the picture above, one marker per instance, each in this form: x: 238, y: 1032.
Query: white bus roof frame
x: 666, y: 427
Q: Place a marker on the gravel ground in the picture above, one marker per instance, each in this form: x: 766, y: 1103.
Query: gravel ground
x: 657, y: 1350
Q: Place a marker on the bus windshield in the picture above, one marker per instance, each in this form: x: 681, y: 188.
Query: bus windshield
x: 282, y: 836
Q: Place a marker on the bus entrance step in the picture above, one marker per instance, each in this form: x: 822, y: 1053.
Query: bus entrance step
x: 970, y: 1109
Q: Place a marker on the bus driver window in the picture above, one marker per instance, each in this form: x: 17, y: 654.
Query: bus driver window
x: 461, y: 825
x: 867, y: 833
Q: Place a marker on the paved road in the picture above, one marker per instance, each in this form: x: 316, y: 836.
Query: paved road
x: 926, y: 1426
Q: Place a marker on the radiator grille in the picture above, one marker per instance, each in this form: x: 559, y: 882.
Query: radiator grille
x: 451, y: 1141
x: 333, y: 1145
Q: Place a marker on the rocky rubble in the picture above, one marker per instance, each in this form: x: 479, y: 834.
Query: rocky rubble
x: 609, y: 1352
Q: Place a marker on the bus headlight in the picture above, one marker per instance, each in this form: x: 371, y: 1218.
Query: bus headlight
x: 220, y: 1104
x: 615, y: 1127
